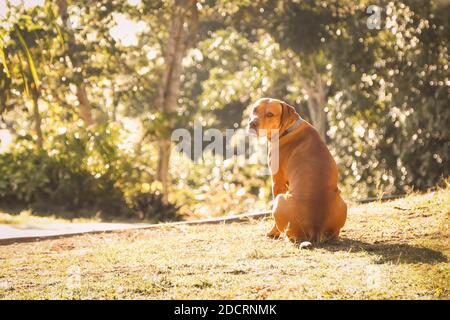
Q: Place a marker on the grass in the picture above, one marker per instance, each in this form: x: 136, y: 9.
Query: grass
x: 394, y: 250
x: 27, y: 217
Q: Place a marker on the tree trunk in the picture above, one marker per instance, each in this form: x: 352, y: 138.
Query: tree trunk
x: 316, y: 104
x: 37, y: 120
x: 184, y: 12
x: 85, y: 106
x: 317, y: 100
x: 85, y: 112
x: 162, y: 171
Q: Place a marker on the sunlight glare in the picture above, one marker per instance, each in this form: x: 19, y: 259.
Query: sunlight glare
x: 2, y: 8
x: 33, y: 3
x: 125, y: 31
x: 134, y: 2
x: 28, y: 4
x: 131, y: 134
x: 5, y: 140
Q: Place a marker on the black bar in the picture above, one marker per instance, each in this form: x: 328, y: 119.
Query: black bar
x: 222, y: 309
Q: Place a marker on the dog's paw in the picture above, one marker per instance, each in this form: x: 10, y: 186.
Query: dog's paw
x: 273, y: 235
x: 305, y: 245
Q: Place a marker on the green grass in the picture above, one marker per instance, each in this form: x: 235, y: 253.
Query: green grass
x: 27, y: 217
x: 393, y: 250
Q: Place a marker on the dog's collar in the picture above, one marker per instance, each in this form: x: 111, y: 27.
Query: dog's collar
x: 291, y: 128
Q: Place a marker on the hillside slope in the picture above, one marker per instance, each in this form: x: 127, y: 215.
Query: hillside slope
x: 394, y: 250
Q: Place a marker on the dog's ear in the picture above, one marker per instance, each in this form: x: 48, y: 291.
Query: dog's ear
x: 288, y: 116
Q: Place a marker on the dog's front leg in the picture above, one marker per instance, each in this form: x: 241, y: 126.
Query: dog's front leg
x: 279, y: 186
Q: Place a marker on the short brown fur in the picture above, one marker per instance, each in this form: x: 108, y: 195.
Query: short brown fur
x: 307, y: 205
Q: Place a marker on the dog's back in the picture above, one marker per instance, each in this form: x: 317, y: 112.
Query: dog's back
x: 315, y: 201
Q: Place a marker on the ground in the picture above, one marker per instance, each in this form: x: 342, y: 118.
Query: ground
x: 394, y: 250
x: 27, y: 217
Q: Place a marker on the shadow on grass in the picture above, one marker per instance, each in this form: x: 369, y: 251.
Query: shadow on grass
x: 389, y: 252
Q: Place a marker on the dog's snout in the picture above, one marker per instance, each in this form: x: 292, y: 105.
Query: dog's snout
x: 253, y: 124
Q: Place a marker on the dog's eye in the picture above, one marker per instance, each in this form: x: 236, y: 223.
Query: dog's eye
x: 269, y: 114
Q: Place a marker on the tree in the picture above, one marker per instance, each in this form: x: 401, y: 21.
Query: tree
x: 390, y: 118
x: 73, y: 53
x: 183, y: 16
x: 302, y: 30
x: 20, y: 51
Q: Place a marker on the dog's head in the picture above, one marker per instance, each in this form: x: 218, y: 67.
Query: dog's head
x: 271, y: 114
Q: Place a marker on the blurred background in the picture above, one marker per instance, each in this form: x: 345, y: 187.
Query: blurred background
x: 90, y: 92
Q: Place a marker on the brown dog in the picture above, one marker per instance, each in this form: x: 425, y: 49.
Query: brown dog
x: 307, y: 205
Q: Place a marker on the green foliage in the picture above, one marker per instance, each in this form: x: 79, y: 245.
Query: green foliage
x: 86, y: 172
x: 386, y: 99
x: 150, y: 206
x: 387, y: 108
x: 22, y: 36
x: 63, y: 178
x: 214, y: 187
x: 30, y: 60
x: 391, y: 117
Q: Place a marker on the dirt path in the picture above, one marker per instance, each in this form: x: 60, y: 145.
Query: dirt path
x: 41, y: 230
x: 10, y: 233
